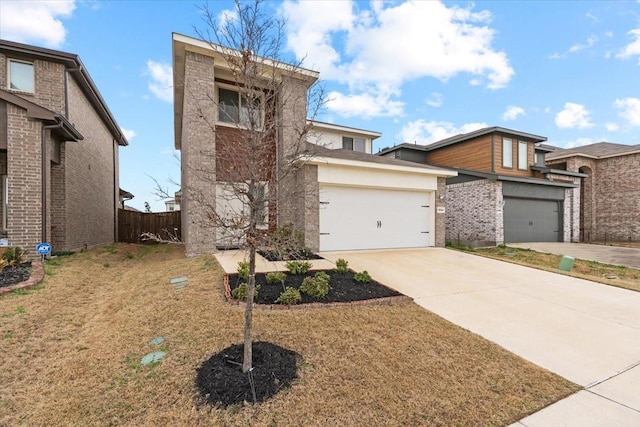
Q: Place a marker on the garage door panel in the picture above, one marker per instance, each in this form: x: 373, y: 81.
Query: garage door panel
x: 364, y: 218
x: 530, y: 220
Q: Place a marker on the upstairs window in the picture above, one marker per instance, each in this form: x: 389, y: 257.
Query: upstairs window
x: 21, y: 76
x: 237, y: 109
x: 523, y: 162
x: 507, y: 153
x: 354, y: 144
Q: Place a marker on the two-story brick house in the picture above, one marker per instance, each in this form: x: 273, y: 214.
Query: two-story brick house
x: 58, y: 152
x: 352, y: 199
x: 610, y: 189
x: 503, y: 192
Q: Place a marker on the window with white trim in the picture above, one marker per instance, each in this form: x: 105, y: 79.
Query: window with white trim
x: 507, y: 153
x: 523, y: 162
x: 21, y: 76
x: 354, y: 144
x: 235, y: 108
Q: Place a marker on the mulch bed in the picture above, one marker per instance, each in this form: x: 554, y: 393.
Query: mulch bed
x: 298, y: 255
x: 11, y: 275
x: 343, y: 288
x: 221, y: 382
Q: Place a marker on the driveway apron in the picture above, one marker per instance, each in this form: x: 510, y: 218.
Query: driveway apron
x: 586, y: 332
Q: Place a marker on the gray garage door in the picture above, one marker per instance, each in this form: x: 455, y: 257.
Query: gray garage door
x: 528, y: 220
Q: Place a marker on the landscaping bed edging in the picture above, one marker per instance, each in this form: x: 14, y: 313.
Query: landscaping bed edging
x: 401, y: 299
x: 37, y: 274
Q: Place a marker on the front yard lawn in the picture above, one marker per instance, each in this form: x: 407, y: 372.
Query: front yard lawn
x: 72, y: 350
x: 622, y: 277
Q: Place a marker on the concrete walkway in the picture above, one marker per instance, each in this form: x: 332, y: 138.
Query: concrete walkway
x: 586, y: 332
x: 616, y: 255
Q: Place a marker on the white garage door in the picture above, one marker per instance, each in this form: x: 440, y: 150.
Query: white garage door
x: 363, y: 218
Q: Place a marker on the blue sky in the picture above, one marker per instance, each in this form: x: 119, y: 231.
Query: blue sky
x: 415, y: 71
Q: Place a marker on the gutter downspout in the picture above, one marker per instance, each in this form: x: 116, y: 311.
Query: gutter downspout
x: 44, y: 180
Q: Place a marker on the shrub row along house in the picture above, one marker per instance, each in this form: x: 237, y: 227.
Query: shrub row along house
x: 58, y: 152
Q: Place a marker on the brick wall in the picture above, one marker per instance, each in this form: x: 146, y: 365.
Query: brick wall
x: 609, y: 197
x: 58, y: 201
x: 617, y: 198
x: 49, y: 83
x: 198, y: 155
x: 441, y: 218
x: 91, y: 191
x: 24, y: 169
x: 474, y: 213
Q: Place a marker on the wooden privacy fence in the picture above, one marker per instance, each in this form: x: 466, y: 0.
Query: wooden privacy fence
x: 132, y: 224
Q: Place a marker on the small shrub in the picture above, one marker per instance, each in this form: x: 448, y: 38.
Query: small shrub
x: 243, y: 270
x: 342, y: 265
x: 129, y: 255
x: 316, y: 286
x: 290, y: 296
x: 14, y: 256
x: 276, y: 277
x: 61, y: 253
x: 362, y: 277
x: 240, y: 292
x: 298, y: 267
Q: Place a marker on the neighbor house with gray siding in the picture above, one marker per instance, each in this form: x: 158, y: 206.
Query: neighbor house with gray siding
x: 503, y: 192
x: 58, y: 152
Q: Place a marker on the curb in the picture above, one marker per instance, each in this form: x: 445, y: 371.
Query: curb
x: 37, y: 274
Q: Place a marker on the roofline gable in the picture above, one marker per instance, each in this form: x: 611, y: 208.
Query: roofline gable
x: 76, y: 68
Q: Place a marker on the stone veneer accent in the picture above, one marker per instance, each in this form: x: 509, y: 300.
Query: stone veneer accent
x: 474, y: 213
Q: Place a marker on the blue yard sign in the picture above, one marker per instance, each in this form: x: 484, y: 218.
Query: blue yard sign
x: 43, y: 248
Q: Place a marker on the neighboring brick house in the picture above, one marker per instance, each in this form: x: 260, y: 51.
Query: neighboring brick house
x: 58, y: 152
x: 352, y: 199
x: 610, y: 190
x: 503, y: 193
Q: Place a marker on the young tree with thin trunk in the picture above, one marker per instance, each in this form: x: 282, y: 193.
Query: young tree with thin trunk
x: 260, y: 135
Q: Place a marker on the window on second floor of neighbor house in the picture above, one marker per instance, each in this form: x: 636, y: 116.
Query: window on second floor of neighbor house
x: 354, y: 144
x: 523, y: 161
x: 21, y: 76
x: 507, y: 153
x: 235, y: 108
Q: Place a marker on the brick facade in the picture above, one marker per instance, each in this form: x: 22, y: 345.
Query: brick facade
x: 80, y: 182
x: 610, y: 196
x: 474, y: 213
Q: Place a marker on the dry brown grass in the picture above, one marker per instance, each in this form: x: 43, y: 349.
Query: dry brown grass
x: 623, y: 277
x: 70, y: 354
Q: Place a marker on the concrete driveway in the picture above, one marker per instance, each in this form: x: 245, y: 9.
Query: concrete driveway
x: 586, y: 332
x: 616, y: 255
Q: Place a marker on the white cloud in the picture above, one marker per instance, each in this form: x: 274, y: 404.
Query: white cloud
x: 574, y: 116
x: 129, y: 134
x: 161, y: 84
x: 423, y: 132
x: 512, y: 112
x: 630, y: 110
x: 378, y: 50
x: 633, y: 48
x: 363, y: 105
x: 612, y: 127
x: 591, y: 41
x: 435, y: 100
x: 37, y: 22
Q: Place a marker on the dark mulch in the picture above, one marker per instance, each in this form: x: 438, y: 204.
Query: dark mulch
x: 12, y: 275
x: 303, y: 254
x: 221, y: 382
x: 343, y: 288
